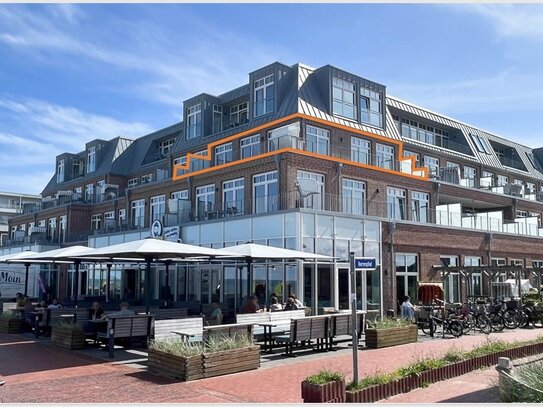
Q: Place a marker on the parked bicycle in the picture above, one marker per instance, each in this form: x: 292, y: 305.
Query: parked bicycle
x: 439, y: 318
x: 473, y: 318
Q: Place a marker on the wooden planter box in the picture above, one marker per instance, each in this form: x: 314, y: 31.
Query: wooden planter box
x: 231, y: 361
x: 67, y: 338
x: 206, y: 365
x: 382, y: 338
x: 333, y: 392
x: 177, y: 367
x: 11, y: 326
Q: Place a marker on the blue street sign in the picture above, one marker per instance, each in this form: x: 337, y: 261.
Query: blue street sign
x: 365, y: 263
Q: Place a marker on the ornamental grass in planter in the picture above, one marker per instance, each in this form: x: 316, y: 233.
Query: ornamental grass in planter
x: 68, y: 336
x: 324, y: 386
x: 523, y: 384
x: 390, y: 332
x: 10, y: 323
x: 190, y: 361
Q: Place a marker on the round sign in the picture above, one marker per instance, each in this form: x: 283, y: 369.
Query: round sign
x: 156, y: 228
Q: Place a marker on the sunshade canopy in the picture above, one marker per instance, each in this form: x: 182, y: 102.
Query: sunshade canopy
x: 15, y: 256
x: 257, y: 251
x: 66, y: 253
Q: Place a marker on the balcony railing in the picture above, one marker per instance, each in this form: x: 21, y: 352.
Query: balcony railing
x: 74, y: 198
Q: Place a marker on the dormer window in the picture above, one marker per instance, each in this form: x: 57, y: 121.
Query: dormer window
x: 343, y: 98
x: 165, y: 146
x: 217, y: 119
x: 60, y: 171
x: 194, y: 121
x: 263, y: 96
x: 91, y: 159
x: 371, y: 107
x: 238, y: 114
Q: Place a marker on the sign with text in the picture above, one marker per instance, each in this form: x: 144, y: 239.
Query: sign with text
x: 171, y: 233
x: 365, y: 263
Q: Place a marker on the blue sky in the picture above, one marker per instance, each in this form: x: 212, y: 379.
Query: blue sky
x: 72, y: 73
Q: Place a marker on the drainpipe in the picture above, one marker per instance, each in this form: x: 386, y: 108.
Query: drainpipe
x: 488, y: 239
x: 277, y: 159
x: 392, y: 274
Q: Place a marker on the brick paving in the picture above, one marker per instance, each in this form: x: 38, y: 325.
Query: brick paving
x: 35, y: 371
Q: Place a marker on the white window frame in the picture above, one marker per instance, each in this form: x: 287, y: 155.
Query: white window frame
x: 165, y: 146
x: 374, y: 111
x: 217, y: 119
x: 502, y: 180
x: 432, y: 163
x: 474, y: 261
x: 122, y: 216
x: 96, y: 221
x: 271, y: 202
x: 157, y: 207
x: 183, y: 194
x: 138, y: 213
x: 314, y: 201
x: 250, y: 146
x: 385, y: 156
x: 397, y: 199
x: 353, y: 196
x: 223, y: 154
x: 236, y: 187
x: 341, y: 87
x: 89, y: 193
x: 236, y: 113
x: 205, y: 191
x: 194, y: 121
x: 91, y: 159
x: 264, y: 85
x: 60, y: 171
x: 420, y: 202
x: 321, y: 143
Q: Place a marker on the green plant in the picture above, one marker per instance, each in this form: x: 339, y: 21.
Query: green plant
x: 420, y: 366
x: 453, y: 355
x: 378, y: 378
x: 7, y: 316
x: 177, y: 348
x: 324, y: 376
x: 529, y: 388
x: 491, y: 346
x: 388, y: 323
x: 69, y: 327
x: 217, y: 344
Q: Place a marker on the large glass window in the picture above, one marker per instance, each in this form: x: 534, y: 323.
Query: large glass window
x: 360, y: 150
x: 475, y: 281
x: 205, y: 200
x: 371, y: 107
x: 432, y: 164
x: 223, y: 154
x: 263, y: 96
x: 165, y: 146
x: 194, y: 121
x: 407, y: 276
x: 385, y: 156
x: 343, y: 98
x: 396, y: 203
x: 312, y: 186
x: 96, y: 222
x: 421, y: 206
x: 217, y: 118
x: 60, y: 171
x: 197, y: 164
x: 284, y: 136
x: 317, y: 140
x: 91, y: 159
x: 354, y: 195
x: 138, y: 213
x: 158, y: 207
x: 89, y: 193
x: 451, y: 284
x: 250, y: 146
x: 265, y: 192
x: 470, y: 174
x: 238, y: 114
x: 233, y: 196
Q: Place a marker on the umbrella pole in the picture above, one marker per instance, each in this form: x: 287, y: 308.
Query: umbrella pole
x: 108, y: 281
x: 27, y: 266
x: 76, y: 263
x: 167, y: 285
x: 147, y: 283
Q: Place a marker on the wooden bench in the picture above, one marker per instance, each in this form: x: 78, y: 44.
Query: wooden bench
x: 307, y: 329
x: 133, y: 326
x: 190, y: 329
x: 169, y: 313
x: 342, y: 325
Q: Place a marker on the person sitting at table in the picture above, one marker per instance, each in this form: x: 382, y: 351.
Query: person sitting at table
x: 275, y: 305
x: 124, y: 312
x: 20, y: 299
x: 298, y: 303
x: 41, y: 305
x: 96, y: 312
x: 251, y: 306
x: 54, y: 304
x: 215, y: 316
x: 290, y: 305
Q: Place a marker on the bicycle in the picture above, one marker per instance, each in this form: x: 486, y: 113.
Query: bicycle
x: 449, y: 324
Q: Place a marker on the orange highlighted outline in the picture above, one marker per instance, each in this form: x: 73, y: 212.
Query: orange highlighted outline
x: 253, y: 130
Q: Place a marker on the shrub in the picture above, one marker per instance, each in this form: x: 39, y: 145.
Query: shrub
x: 530, y: 389
x: 177, y: 347
x: 388, y: 323
x: 453, y: 355
x: 7, y: 316
x: 324, y: 376
x: 379, y: 378
x: 69, y: 327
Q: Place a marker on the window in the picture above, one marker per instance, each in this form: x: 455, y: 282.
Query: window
x: 132, y: 182
x: 533, y: 161
x: 407, y: 276
x: 265, y: 192
x: 238, y: 114
x: 432, y: 164
x: 343, y: 98
x: 184, y: 194
x: 205, y: 200
x: 52, y: 230
x: 537, y: 264
x: 470, y: 174
x: 385, y: 156
x: 250, y: 146
x: 421, y: 206
x: 89, y: 193
x: 371, y: 107
x: 284, y: 136
x: 122, y: 216
x: 217, y: 118
x: 425, y: 133
x: 96, y: 221
x: 166, y: 146
x: 223, y: 154
x: 407, y: 153
x: 197, y: 164
x: 263, y: 96
x: 145, y: 179
x: 138, y: 213
x: 60, y: 171
x: 312, y: 189
x: 503, y: 180
x: 396, y: 203
x: 233, y: 193
x: 451, y: 284
x: 194, y: 121
x: 180, y: 160
x: 63, y: 223
x: 91, y: 159
x: 530, y: 188
x: 475, y: 281
x: 521, y: 214
x: 158, y: 207
x: 317, y: 140
x: 354, y: 196
x: 517, y: 262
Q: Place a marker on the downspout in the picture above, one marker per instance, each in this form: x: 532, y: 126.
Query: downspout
x: 391, y: 231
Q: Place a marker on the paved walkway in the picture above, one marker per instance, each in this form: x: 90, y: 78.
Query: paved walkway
x: 35, y: 371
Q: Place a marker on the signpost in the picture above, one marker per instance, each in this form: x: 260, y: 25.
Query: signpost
x: 357, y: 264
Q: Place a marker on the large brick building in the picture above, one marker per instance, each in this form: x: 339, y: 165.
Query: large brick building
x: 319, y: 160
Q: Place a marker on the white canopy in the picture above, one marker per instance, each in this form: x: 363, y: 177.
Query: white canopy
x: 66, y: 253
x: 257, y: 251
x: 524, y: 285
x: 15, y: 256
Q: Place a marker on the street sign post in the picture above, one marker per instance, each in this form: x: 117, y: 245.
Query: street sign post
x: 357, y: 264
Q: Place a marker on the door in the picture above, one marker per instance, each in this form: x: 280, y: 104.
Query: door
x: 210, y: 285
x: 344, y: 292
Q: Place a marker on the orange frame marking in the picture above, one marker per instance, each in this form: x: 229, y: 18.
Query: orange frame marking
x: 191, y: 156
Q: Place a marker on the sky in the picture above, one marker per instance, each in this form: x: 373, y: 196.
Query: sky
x: 71, y: 73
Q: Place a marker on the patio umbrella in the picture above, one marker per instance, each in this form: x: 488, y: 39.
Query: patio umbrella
x: 63, y: 255
x: 14, y: 256
x: 150, y: 250
x: 253, y: 251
